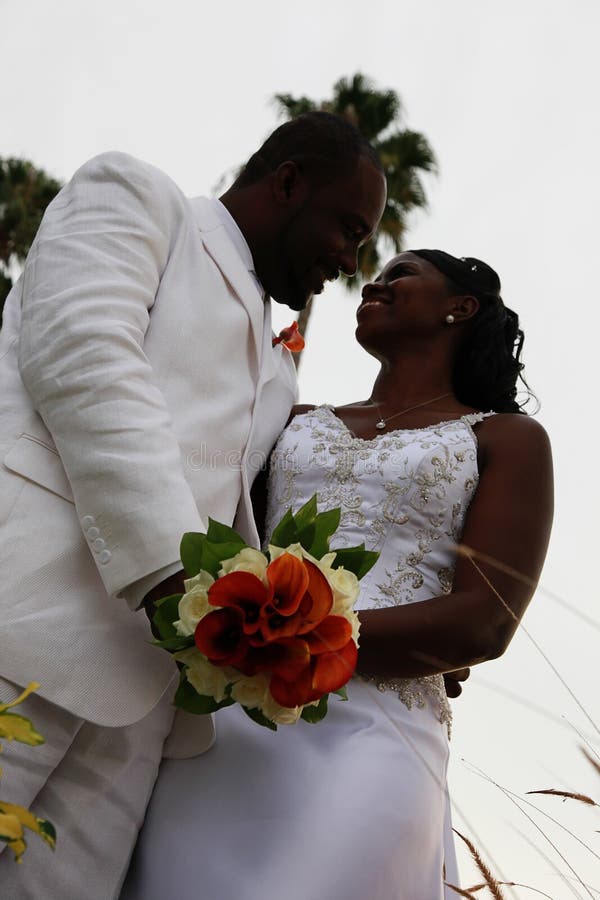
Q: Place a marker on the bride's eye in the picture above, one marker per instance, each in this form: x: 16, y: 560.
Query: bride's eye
x: 397, y: 272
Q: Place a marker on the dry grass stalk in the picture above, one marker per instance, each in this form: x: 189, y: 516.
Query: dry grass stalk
x: 549, y: 862
x: 567, y: 795
x: 462, y: 892
x: 478, y: 887
x: 470, y: 554
x: 490, y: 881
x: 591, y: 760
x: 465, y: 550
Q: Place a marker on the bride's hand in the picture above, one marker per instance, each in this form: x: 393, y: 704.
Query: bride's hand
x: 452, y: 681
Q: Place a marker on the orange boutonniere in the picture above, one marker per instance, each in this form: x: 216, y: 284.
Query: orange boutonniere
x: 291, y: 338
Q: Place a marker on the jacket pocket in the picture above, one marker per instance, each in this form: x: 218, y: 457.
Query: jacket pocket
x: 39, y: 462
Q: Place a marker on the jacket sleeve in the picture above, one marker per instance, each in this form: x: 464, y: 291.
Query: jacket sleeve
x: 90, y: 282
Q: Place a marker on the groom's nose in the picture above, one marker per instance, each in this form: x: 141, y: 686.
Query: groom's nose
x: 349, y: 260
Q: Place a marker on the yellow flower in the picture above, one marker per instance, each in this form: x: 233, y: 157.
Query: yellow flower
x: 12, y: 821
x: 31, y: 687
x: 17, y: 728
x: 11, y: 832
x: 14, y: 818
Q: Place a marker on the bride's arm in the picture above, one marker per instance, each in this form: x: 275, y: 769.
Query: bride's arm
x: 509, y: 521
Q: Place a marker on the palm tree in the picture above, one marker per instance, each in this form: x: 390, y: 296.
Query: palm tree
x: 405, y: 154
x: 25, y: 192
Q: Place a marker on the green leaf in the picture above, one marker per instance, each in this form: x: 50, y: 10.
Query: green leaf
x: 47, y: 832
x: 191, y: 550
x: 211, y: 561
x: 314, y: 714
x: 326, y: 524
x: 187, y: 698
x: 356, y: 559
x: 222, y: 534
x: 286, y: 532
x: 198, y: 553
x: 307, y: 514
x: 342, y: 693
x: 306, y: 535
x: 167, y: 612
x: 173, y: 644
x: 223, y: 551
x: 257, y: 716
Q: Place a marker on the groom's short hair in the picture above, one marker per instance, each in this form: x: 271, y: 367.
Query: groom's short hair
x: 318, y: 142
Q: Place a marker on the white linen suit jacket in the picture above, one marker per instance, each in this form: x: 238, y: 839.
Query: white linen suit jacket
x: 138, y: 393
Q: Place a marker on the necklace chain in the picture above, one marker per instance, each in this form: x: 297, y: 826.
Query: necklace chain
x: 382, y: 423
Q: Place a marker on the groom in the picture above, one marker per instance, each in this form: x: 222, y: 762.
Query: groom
x: 139, y: 388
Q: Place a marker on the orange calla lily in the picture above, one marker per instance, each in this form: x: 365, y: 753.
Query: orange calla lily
x: 244, y: 591
x: 334, y: 669
x: 302, y: 597
x: 288, y: 580
x: 318, y: 599
x: 292, y: 693
x: 291, y: 338
x: 330, y: 635
x: 328, y: 671
x: 287, y: 658
x: 220, y: 637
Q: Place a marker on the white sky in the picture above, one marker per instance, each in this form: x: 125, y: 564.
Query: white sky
x: 507, y: 94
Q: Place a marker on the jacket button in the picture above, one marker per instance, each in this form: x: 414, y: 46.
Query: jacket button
x: 93, y: 533
x: 87, y: 522
x: 104, y: 557
x: 98, y: 545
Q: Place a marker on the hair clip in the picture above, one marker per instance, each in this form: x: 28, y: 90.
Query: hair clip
x: 473, y: 267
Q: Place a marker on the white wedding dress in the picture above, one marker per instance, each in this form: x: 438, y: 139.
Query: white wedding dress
x: 355, y: 807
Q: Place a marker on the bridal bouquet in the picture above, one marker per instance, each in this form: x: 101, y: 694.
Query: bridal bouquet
x: 275, y: 632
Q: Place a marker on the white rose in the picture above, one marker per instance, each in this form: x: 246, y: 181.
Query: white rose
x: 355, y: 622
x: 281, y: 715
x: 296, y: 550
x: 251, y: 690
x: 207, y: 679
x: 247, y: 560
x: 345, y: 587
x: 194, y: 604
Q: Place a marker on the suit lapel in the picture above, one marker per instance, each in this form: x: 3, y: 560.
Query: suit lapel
x: 224, y: 254
x: 270, y: 359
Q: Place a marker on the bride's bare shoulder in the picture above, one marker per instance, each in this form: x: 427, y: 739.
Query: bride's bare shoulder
x: 300, y: 408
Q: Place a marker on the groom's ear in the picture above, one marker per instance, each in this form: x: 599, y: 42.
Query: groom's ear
x: 288, y: 184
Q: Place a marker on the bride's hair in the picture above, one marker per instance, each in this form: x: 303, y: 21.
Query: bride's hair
x: 488, y: 364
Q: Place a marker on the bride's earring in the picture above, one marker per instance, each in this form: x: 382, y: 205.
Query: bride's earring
x: 450, y: 319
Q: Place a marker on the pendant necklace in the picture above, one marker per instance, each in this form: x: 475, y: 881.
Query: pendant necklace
x: 382, y: 423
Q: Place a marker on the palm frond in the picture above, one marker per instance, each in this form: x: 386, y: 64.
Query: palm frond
x: 371, y: 110
x: 289, y: 107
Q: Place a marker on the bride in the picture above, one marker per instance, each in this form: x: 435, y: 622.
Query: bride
x: 355, y: 808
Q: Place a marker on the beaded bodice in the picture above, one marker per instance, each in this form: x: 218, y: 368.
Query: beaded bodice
x: 403, y: 493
